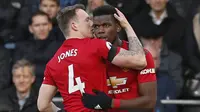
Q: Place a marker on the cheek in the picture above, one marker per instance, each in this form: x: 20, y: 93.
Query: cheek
x: 111, y: 32
x: 45, y: 9
x: 46, y: 29
x: 15, y: 81
x: 153, y: 4
x: 99, y: 3
x: 36, y: 30
x: 28, y: 81
x: 54, y: 10
x: 164, y: 4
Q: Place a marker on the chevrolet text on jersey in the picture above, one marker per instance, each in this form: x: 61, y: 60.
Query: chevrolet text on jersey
x: 118, y: 91
x: 71, y: 52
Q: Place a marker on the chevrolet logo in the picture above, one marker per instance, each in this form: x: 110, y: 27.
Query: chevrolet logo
x: 114, y: 81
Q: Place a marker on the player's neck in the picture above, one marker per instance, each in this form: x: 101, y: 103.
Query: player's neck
x: 75, y: 35
x: 117, y: 42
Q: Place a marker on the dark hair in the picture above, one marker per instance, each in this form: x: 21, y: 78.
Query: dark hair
x: 65, y: 15
x: 39, y: 13
x: 104, y: 10
x: 154, y: 32
x: 57, y: 2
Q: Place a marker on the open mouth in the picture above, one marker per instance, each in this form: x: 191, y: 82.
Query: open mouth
x: 101, y: 37
x: 106, y: 39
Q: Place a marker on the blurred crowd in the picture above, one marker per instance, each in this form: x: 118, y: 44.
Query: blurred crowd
x: 29, y: 37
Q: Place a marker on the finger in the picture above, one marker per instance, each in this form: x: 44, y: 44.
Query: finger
x: 117, y: 17
x: 118, y: 11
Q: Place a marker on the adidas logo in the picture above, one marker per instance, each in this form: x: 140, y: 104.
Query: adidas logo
x: 98, y: 107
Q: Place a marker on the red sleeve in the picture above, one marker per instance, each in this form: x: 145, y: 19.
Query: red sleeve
x: 149, y: 73
x: 48, y: 77
x: 104, y: 48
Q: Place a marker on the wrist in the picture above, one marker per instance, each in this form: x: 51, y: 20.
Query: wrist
x: 127, y: 27
x: 115, y: 103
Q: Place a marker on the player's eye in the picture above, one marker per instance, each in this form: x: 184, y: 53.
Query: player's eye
x: 36, y: 25
x: 52, y: 5
x: 106, y: 25
x: 87, y: 19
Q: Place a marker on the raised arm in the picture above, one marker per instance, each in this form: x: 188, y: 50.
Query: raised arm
x: 135, y: 56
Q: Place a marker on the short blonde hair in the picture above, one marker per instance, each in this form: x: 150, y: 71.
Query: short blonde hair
x: 24, y: 63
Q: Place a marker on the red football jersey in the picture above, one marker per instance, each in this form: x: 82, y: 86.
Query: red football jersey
x: 123, y: 83
x: 78, y: 66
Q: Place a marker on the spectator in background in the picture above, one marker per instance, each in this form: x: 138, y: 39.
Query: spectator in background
x: 192, y: 42
x: 51, y: 7
x: 21, y: 97
x: 92, y: 4
x: 130, y: 8
x: 5, y: 77
x: 192, y: 57
x: 168, y: 74
x: 186, y: 8
x: 160, y: 16
x: 14, y: 16
x: 40, y: 47
x: 170, y: 62
x: 65, y: 3
x: 182, y: 6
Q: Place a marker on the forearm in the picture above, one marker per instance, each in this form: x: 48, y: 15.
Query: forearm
x: 50, y: 108
x: 135, y: 51
x: 141, y: 103
x: 134, y: 43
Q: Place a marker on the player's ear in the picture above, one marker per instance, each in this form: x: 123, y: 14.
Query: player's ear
x: 74, y: 26
x: 33, y: 79
x: 30, y: 29
x: 50, y: 26
x: 59, y: 8
x: 118, y: 28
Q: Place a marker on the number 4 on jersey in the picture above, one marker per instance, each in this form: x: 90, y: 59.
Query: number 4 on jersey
x: 71, y: 87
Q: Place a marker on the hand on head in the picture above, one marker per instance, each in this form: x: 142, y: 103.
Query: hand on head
x: 121, y: 18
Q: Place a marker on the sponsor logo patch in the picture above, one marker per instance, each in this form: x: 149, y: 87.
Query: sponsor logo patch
x: 114, y: 81
x: 148, y: 71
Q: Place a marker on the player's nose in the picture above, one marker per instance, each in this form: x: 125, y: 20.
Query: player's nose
x: 101, y: 30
